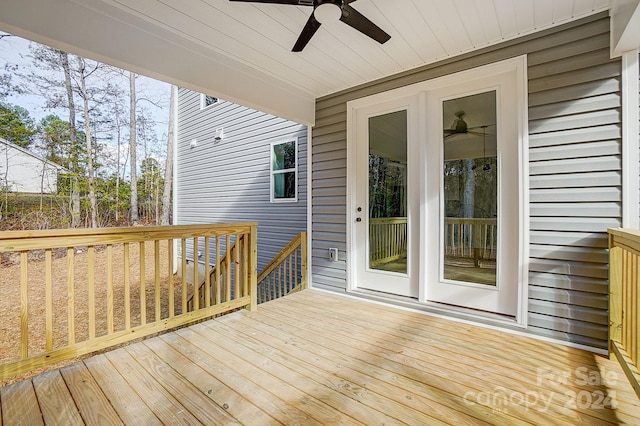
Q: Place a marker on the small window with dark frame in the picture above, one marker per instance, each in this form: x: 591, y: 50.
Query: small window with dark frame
x: 206, y: 100
x: 284, y: 171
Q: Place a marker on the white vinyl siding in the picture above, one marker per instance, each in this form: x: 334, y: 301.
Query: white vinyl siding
x: 23, y: 171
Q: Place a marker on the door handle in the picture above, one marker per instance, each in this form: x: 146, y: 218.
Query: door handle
x: 358, y: 219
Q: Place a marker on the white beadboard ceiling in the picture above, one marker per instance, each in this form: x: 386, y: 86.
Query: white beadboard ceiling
x: 242, y: 51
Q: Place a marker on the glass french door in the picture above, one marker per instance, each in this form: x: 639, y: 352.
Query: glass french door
x: 383, y: 217
x: 472, y: 178
x: 436, y: 210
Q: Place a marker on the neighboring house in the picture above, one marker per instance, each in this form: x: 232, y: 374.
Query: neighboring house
x: 236, y: 164
x: 545, y: 102
x: 25, y: 172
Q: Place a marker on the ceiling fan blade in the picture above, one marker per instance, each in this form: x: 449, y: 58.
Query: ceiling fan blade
x: 482, y: 126
x: 292, y: 2
x: 472, y: 132
x: 356, y: 20
x: 308, y: 31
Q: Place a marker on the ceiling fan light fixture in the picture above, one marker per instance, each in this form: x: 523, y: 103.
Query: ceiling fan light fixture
x: 327, y: 13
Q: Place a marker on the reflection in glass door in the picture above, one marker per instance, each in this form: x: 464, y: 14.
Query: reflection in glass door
x: 387, y: 207
x: 470, y: 193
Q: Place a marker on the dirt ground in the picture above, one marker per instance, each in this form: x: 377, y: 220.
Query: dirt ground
x: 10, y: 296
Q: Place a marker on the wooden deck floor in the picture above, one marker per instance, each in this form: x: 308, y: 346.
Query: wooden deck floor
x: 317, y: 358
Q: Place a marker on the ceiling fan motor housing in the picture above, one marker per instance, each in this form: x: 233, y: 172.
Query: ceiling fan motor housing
x: 327, y: 11
x: 321, y: 2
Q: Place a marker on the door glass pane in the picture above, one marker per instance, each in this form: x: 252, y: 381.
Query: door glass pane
x: 470, y: 190
x: 388, y: 192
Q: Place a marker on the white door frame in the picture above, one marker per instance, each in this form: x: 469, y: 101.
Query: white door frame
x: 517, y: 65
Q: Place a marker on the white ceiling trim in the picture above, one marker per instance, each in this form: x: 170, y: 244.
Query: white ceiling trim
x: 625, y: 26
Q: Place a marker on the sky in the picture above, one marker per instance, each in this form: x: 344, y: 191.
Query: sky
x: 15, y: 51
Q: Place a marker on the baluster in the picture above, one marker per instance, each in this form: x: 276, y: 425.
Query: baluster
x: 216, y: 277
x: 245, y: 265
x: 227, y: 267
x: 127, y: 287
x: 297, y: 280
x: 170, y: 278
x: 195, y: 296
x: 24, y: 304
x: 183, y: 283
x: 70, y: 297
x: 633, y: 309
x: 236, y: 268
x: 158, y: 306
x: 49, y: 298
x: 109, y: 288
x: 143, y: 286
x: 635, y: 319
x: 207, y: 273
x: 91, y: 291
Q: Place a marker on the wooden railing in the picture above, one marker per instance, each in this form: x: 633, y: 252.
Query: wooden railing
x: 286, y: 273
x: 217, y: 286
x: 387, y: 239
x: 66, y: 293
x: 624, y: 296
x: 471, y: 238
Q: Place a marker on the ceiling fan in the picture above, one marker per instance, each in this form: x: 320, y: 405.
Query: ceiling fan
x: 325, y: 11
x: 460, y: 127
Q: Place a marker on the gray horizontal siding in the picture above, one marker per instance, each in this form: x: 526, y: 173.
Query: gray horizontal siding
x: 228, y: 181
x: 575, y: 172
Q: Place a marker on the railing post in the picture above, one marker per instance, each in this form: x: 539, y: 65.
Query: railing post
x: 624, y: 250
x: 615, y: 293
x: 253, y: 267
x: 303, y: 253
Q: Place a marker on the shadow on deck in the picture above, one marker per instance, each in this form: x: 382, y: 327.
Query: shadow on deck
x: 318, y: 358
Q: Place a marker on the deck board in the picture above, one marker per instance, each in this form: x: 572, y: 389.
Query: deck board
x: 155, y: 396
x: 327, y: 401
x: 200, y: 375
x: 319, y: 358
x: 93, y: 405
x: 476, y: 372
x: 404, y: 382
x: 281, y: 410
x: 20, y: 404
x: 273, y: 376
x: 56, y: 402
x: 193, y: 400
x: 334, y: 370
x: 127, y: 403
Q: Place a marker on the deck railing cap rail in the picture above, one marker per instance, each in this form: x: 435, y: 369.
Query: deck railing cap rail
x: 57, y: 238
x: 624, y: 232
